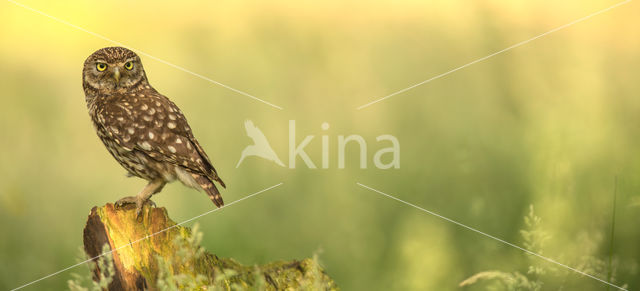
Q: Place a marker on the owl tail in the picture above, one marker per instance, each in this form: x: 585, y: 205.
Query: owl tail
x: 208, y: 186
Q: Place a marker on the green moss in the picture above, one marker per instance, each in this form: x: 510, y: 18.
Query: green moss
x: 169, y: 257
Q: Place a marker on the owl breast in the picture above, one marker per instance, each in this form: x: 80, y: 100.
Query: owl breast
x: 135, y: 162
x: 125, y: 130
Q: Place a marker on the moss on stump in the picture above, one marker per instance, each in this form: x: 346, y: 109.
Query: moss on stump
x: 153, y: 253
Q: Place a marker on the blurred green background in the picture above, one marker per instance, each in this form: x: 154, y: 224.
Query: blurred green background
x: 549, y: 124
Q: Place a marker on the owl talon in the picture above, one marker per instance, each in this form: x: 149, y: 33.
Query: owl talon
x: 140, y: 205
x: 137, y: 201
x: 126, y: 200
x: 139, y: 210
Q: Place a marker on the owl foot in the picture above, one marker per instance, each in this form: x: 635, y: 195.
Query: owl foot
x: 138, y: 201
x: 126, y: 200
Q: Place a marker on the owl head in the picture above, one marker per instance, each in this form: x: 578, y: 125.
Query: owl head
x: 113, y: 69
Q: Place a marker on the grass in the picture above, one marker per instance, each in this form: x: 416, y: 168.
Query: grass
x: 179, y: 273
x: 541, y: 275
x: 613, y: 225
x: 105, y: 273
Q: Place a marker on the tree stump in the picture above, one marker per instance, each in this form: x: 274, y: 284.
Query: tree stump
x: 153, y: 253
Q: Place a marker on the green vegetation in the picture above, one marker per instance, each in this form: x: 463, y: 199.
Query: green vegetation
x: 539, y: 271
x: 180, y: 271
x: 549, y: 124
x: 105, y: 276
x: 170, y: 257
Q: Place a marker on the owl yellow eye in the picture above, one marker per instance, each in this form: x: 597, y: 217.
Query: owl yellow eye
x: 101, y: 66
x: 128, y: 65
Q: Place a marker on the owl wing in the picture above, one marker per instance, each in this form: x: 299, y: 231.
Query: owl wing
x: 210, y: 169
x: 185, y: 129
x: 152, y: 124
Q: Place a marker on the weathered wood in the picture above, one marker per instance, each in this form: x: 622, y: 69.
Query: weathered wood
x: 140, y: 264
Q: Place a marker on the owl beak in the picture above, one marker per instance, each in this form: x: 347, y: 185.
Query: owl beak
x: 116, y: 75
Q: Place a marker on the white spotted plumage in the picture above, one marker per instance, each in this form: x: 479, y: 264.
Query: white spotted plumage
x: 130, y: 120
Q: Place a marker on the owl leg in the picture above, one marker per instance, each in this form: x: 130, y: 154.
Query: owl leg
x: 143, y: 197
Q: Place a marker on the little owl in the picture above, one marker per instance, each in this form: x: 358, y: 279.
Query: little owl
x: 142, y: 129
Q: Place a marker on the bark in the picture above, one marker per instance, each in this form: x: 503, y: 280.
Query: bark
x: 146, y: 258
